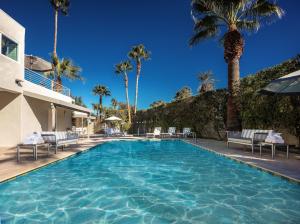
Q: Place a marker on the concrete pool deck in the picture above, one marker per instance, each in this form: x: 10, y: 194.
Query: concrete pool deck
x: 289, y: 168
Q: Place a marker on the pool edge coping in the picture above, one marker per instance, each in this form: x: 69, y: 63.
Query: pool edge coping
x: 272, y: 172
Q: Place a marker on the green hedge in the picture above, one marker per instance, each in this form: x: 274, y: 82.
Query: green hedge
x: 206, y: 113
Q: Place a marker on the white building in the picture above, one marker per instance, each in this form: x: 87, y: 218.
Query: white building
x: 28, y: 102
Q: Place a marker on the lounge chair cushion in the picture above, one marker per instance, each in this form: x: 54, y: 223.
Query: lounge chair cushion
x: 249, y: 133
x: 240, y: 140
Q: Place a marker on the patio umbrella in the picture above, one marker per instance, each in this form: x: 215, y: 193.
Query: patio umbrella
x: 286, y: 85
x: 113, y: 118
x: 37, y: 64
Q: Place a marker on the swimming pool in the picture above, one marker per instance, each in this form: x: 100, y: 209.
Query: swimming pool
x: 149, y: 182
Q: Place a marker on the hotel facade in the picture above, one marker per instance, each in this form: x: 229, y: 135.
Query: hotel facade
x: 28, y: 100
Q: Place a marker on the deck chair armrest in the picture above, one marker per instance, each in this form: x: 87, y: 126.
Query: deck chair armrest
x: 259, y: 136
x: 49, y: 138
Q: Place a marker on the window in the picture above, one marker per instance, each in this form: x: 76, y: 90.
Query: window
x: 9, y: 48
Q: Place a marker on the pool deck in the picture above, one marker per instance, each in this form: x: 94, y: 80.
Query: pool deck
x: 288, y: 168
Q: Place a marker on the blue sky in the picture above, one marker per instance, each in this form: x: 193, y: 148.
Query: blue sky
x: 98, y: 34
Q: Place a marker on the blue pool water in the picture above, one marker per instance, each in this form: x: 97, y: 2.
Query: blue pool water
x: 149, y: 182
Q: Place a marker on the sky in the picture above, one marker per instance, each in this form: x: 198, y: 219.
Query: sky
x: 98, y: 34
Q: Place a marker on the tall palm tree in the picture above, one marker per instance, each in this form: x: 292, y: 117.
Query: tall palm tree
x: 114, y: 103
x: 122, y: 68
x: 63, y: 68
x: 58, y: 6
x: 212, y: 17
x: 138, y: 53
x: 101, y: 91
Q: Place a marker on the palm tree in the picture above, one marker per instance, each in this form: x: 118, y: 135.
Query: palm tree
x: 122, y: 68
x: 138, y: 53
x: 63, y: 68
x: 212, y: 17
x: 78, y: 101
x: 96, y: 108
x: 58, y: 6
x: 101, y: 91
x: 206, y: 82
x: 158, y: 103
x: 114, y: 103
x: 183, y: 93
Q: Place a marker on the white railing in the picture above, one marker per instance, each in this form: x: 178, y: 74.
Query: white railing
x: 43, y: 81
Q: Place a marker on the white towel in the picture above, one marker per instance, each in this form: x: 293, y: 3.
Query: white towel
x: 274, y: 137
x: 35, y: 138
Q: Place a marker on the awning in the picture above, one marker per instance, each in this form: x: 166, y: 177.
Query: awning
x: 59, y: 103
x: 77, y: 114
x: 286, y: 85
x: 37, y: 64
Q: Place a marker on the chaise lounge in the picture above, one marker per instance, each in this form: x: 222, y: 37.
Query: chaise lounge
x: 186, y: 132
x: 171, y: 133
x: 156, y: 132
x: 250, y: 137
x: 61, y: 138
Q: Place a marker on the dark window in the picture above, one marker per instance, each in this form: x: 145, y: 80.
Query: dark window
x: 9, y: 48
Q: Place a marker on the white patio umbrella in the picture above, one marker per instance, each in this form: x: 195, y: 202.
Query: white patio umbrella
x: 286, y: 85
x: 113, y: 118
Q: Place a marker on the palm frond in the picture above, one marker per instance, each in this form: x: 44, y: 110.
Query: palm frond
x: 65, y: 68
x: 252, y: 25
x: 263, y: 8
x: 101, y: 90
x: 204, y: 34
x: 206, y: 21
x: 210, y: 15
x: 139, y: 52
x: 61, y: 5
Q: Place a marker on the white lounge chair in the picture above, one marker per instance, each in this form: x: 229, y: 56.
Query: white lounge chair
x: 156, y: 132
x: 60, y: 138
x: 186, y: 132
x: 171, y: 132
x: 250, y: 137
x: 113, y: 132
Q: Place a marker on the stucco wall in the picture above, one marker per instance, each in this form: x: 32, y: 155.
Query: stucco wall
x: 11, y: 70
x: 10, y: 119
x: 64, y: 119
x: 34, y: 116
x: 20, y: 116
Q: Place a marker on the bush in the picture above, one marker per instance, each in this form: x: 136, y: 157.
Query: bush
x: 206, y: 113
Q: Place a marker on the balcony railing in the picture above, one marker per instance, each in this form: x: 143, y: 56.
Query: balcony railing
x: 43, y: 81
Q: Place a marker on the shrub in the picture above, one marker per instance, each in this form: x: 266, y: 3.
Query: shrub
x: 206, y: 113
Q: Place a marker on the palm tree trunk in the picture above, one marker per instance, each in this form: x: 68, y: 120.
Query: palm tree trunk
x: 138, y: 72
x: 127, y: 98
x: 58, y: 84
x: 233, y: 49
x: 233, y: 122
x: 55, y: 32
x: 100, y: 107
